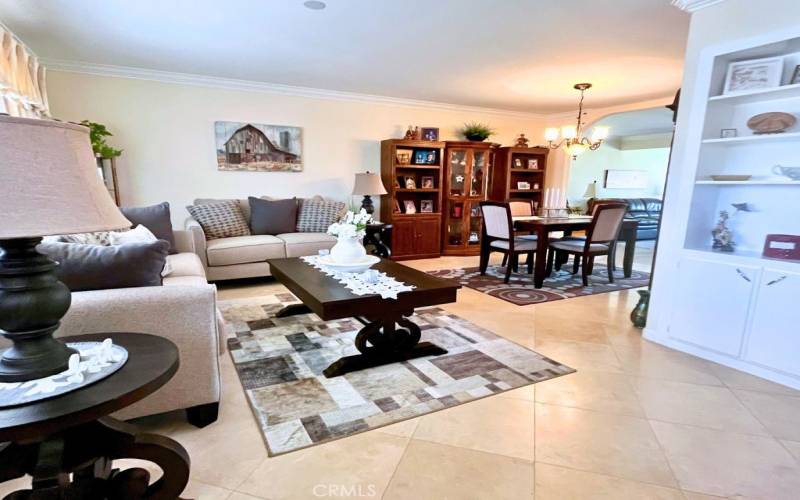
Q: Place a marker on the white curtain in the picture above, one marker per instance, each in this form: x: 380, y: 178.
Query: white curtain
x: 22, y: 86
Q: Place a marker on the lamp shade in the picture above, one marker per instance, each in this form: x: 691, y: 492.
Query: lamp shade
x: 368, y: 184
x: 49, y: 181
x: 591, y: 190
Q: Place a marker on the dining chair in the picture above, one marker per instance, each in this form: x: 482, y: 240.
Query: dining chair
x: 601, y: 239
x: 498, y: 236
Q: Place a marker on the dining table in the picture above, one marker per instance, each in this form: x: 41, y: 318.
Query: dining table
x: 542, y: 226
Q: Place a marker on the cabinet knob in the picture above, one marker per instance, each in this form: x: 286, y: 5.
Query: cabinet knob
x: 744, y: 276
x: 777, y: 280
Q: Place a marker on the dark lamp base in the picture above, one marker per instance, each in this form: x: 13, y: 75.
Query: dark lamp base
x: 32, y: 303
x: 367, y: 205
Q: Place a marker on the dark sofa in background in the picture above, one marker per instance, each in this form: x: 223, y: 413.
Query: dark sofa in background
x: 646, y: 210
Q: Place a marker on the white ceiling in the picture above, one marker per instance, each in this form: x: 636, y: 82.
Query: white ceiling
x: 521, y: 55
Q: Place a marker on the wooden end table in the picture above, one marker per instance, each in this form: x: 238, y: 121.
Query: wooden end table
x: 388, y: 334
x: 73, y: 434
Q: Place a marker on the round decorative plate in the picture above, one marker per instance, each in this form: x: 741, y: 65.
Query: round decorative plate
x: 771, y: 123
x: 358, y: 266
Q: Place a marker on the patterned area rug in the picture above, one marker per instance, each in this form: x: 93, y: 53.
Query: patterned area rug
x: 280, y: 363
x: 561, y: 285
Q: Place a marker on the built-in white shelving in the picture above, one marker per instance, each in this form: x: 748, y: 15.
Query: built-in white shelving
x: 759, y: 95
x: 763, y: 138
x: 711, y: 182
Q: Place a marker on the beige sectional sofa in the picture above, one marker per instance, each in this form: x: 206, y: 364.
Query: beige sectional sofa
x: 183, y: 310
x: 246, y: 256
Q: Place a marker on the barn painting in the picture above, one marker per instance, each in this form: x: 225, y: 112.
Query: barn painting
x: 252, y: 147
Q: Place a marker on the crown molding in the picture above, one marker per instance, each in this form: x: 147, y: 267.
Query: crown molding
x: 694, y: 5
x: 270, y: 88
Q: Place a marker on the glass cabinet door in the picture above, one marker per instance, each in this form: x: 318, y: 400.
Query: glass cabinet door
x: 455, y: 223
x: 480, y: 166
x: 458, y: 172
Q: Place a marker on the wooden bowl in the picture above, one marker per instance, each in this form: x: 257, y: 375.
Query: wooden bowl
x: 771, y: 123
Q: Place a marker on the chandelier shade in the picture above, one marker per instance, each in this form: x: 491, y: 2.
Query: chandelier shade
x: 572, y: 139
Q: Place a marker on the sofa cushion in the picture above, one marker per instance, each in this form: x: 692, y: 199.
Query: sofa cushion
x: 316, y: 215
x: 184, y: 281
x: 223, y: 219
x: 244, y: 206
x: 272, y: 217
x: 186, y: 264
x: 302, y: 244
x: 156, y: 218
x: 244, y: 249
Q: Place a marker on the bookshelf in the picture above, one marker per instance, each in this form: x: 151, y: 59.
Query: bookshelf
x: 514, y: 165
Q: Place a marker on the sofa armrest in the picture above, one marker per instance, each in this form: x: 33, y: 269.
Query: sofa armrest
x: 184, y: 242
x: 198, y: 239
x: 186, y: 315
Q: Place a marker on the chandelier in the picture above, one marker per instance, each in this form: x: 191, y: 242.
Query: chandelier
x: 572, y: 140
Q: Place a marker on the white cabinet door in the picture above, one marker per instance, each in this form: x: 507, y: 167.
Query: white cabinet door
x: 774, y: 339
x: 711, y: 304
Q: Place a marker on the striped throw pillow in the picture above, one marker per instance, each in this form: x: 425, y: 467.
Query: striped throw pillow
x: 222, y: 219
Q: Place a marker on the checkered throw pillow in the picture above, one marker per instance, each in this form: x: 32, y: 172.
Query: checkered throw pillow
x: 98, y: 238
x: 316, y: 215
x: 223, y: 219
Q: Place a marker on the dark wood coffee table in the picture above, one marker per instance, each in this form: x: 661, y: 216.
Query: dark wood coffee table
x: 388, y: 334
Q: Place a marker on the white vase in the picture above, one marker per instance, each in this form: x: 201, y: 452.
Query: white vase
x: 348, y: 250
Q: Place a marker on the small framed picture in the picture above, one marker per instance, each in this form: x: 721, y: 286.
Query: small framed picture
x: 410, y: 207
x: 533, y: 164
x: 727, y: 133
x: 410, y: 183
x: 424, y: 157
x: 426, y: 206
x: 473, y: 237
x: 475, y: 211
x: 397, y: 207
x: 795, y: 75
x: 427, y: 182
x: 753, y: 74
x: 523, y: 185
x: 517, y: 163
x: 403, y: 158
x: 535, y: 185
x: 429, y: 133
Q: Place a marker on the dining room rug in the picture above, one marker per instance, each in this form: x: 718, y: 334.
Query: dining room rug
x: 561, y: 285
x: 280, y: 361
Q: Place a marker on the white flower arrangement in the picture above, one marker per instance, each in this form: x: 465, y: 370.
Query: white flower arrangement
x: 353, y: 225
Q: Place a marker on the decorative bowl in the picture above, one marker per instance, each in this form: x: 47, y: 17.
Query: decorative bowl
x: 359, y: 266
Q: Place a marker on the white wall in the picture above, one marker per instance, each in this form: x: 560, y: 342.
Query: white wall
x: 592, y: 165
x: 167, y: 133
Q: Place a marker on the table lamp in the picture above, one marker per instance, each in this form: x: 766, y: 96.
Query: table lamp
x: 368, y: 184
x: 49, y: 186
x: 591, y: 191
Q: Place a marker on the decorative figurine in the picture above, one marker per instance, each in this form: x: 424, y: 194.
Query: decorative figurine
x: 409, y: 134
x: 522, y: 141
x: 723, y: 238
x: 417, y: 135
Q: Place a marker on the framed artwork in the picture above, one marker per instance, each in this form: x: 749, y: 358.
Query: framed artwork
x: 429, y: 133
x: 427, y: 182
x: 411, y: 208
x: 411, y: 183
x: 727, y: 133
x: 403, y: 158
x: 426, y: 206
x: 753, y: 74
x: 517, y: 163
x: 533, y: 163
x: 523, y: 185
x: 424, y: 157
x: 795, y: 75
x: 254, y: 147
x: 625, y: 179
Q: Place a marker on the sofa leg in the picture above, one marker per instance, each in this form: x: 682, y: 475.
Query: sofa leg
x: 202, y: 415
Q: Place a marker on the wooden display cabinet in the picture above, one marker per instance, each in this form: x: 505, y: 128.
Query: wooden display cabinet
x: 467, y: 167
x: 414, y: 235
x: 513, y: 166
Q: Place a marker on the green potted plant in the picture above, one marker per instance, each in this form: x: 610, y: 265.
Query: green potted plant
x: 97, y: 135
x: 475, y: 131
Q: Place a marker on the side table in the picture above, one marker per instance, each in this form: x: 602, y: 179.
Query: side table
x: 73, y: 434
x: 379, y: 236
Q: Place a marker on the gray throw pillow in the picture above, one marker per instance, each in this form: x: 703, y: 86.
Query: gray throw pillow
x: 317, y: 215
x: 272, y: 217
x: 220, y: 220
x: 156, y: 218
x: 95, y: 267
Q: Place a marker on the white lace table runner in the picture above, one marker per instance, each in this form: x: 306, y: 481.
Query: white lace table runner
x: 384, y: 285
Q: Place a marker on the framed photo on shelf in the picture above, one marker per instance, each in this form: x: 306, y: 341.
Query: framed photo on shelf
x: 397, y: 207
x: 517, y: 163
x: 795, y: 75
x: 429, y: 133
x: 410, y: 207
x: 427, y: 182
x: 426, y: 206
x: 403, y: 158
x: 410, y: 183
x: 523, y: 185
x: 535, y: 185
x: 473, y: 237
x: 728, y: 133
x: 753, y: 74
x: 424, y: 157
x: 475, y: 211
x: 533, y: 164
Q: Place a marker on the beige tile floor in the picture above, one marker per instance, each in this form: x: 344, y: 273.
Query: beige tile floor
x: 638, y: 421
